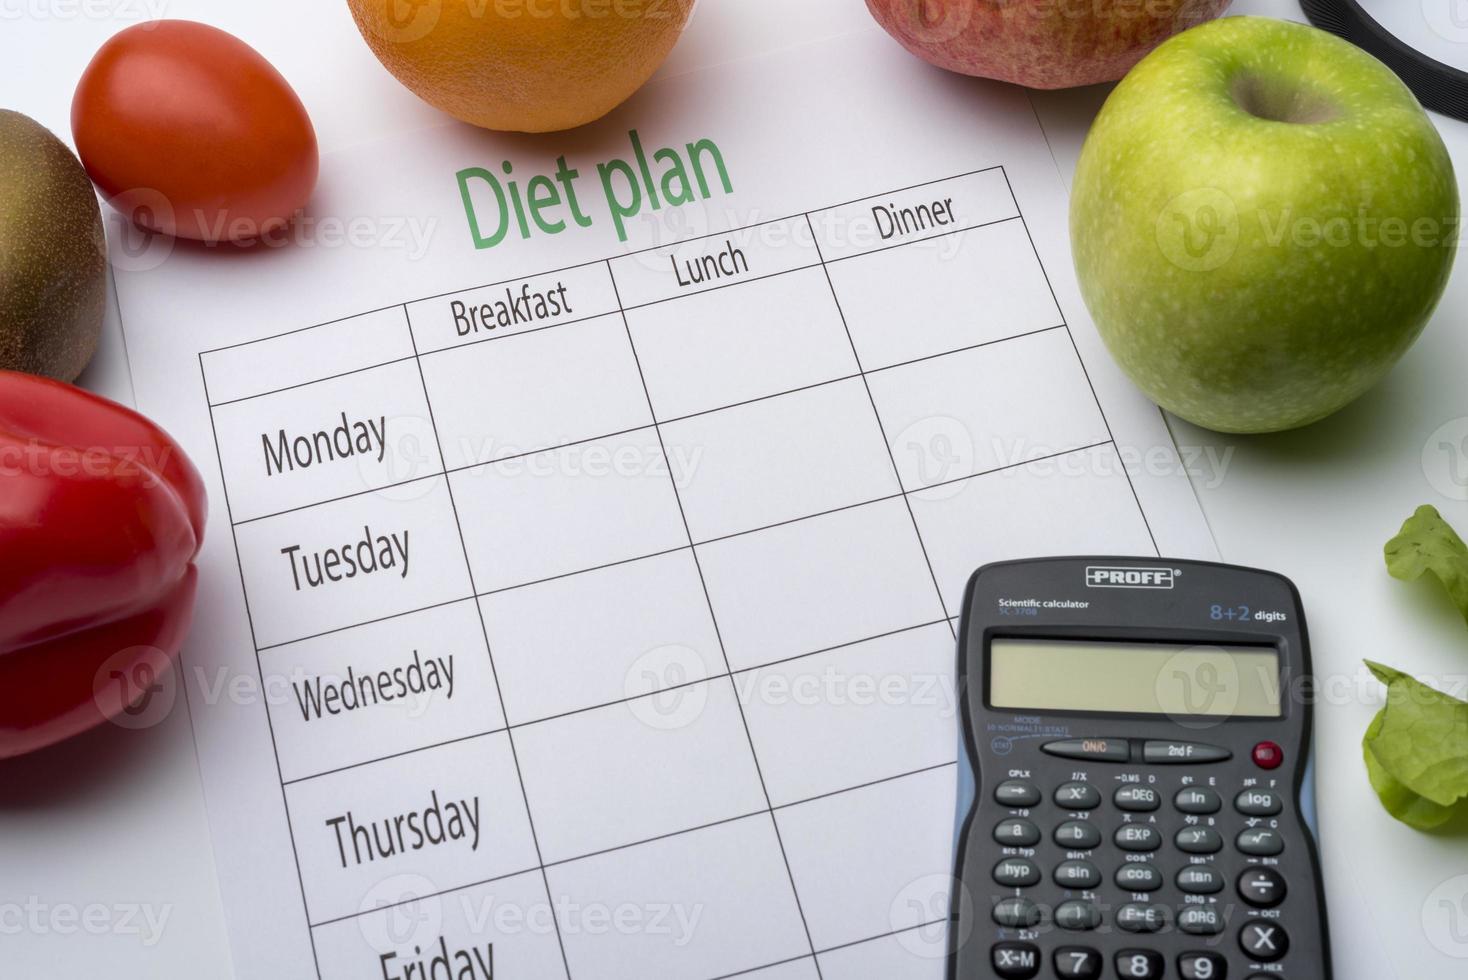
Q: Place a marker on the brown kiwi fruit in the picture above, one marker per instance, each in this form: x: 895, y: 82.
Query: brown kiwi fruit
x: 53, y: 255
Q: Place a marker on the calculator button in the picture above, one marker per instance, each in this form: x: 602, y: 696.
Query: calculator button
x: 1016, y: 873
x: 1016, y: 793
x: 1202, y: 966
x: 1137, y: 799
x: 1258, y: 803
x: 1078, y: 835
x: 1199, y: 840
x: 1201, y: 920
x: 1078, y: 796
x: 1077, y: 963
x: 1141, y: 918
x: 1017, y: 913
x: 1077, y: 875
x: 1090, y: 749
x: 1139, y: 964
x: 1077, y: 916
x: 1260, y: 843
x: 1264, y: 941
x: 1017, y: 833
x: 1267, y: 755
x: 1200, y: 879
x: 1138, y: 837
x: 1015, y: 961
x: 1263, y: 888
x: 1138, y: 877
x: 1177, y: 753
x: 1199, y: 802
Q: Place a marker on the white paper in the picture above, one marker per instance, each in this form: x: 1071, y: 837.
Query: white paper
x: 656, y: 638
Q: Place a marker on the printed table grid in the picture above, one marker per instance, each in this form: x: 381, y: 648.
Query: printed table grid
x: 683, y: 515
x: 481, y: 463
x: 692, y: 547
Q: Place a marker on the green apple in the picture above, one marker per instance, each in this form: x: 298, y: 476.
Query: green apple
x: 1263, y: 220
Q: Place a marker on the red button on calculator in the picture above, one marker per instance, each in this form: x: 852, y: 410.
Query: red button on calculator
x: 1267, y: 755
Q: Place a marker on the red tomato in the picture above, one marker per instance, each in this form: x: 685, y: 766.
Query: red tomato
x: 190, y: 132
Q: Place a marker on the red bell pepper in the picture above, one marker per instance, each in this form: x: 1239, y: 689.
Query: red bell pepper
x: 101, y: 516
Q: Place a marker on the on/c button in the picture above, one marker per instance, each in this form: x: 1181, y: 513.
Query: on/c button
x: 1090, y: 749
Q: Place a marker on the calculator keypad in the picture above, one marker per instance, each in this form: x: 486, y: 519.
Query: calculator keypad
x: 1078, y: 835
x: 1263, y: 888
x: 1202, y: 966
x: 1077, y: 963
x: 1145, y: 860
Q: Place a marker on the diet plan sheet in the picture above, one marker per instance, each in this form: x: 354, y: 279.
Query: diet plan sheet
x: 591, y: 515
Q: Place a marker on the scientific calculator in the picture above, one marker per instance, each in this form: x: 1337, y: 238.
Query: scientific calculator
x: 1135, y: 794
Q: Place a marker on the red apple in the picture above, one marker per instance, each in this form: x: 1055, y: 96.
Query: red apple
x: 1039, y: 43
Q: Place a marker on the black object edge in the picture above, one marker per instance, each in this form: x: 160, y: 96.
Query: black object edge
x: 1437, y: 86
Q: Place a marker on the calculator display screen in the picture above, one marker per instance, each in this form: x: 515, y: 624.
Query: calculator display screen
x: 1135, y: 678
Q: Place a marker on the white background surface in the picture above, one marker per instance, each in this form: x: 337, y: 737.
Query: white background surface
x: 98, y: 835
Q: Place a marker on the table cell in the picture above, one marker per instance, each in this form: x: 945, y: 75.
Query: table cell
x: 303, y: 356
x: 366, y: 557
x: 1077, y: 504
x: 523, y: 394
x: 714, y: 261
x: 915, y: 214
x: 988, y: 407
x: 781, y: 459
x: 824, y: 723
x: 652, y: 766
x: 954, y: 292
x: 514, y: 307
x: 505, y: 928
x: 325, y: 440
x: 568, y: 510
x: 446, y: 817
x: 731, y: 346
x: 720, y: 897
x: 403, y: 684
x: 918, y: 953
x: 873, y: 860
x: 602, y: 636
x: 804, y: 969
x: 818, y: 583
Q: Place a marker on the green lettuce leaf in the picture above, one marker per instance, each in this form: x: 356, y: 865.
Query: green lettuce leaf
x: 1427, y: 543
x: 1417, y: 751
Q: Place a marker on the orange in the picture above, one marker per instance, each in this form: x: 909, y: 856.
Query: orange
x: 526, y: 65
